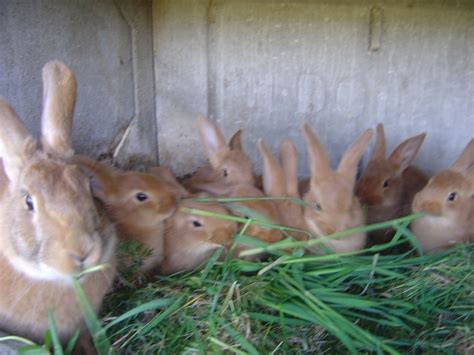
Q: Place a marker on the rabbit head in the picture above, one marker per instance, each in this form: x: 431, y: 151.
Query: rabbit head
x: 280, y: 180
x: 55, y: 226
x: 383, y: 183
x: 230, y: 165
x: 138, y: 203
x: 331, y: 193
x: 191, y: 239
x: 448, y: 202
x: 51, y: 227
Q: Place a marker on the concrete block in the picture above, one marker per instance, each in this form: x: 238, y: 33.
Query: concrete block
x: 107, y: 44
x: 343, y: 66
x: 146, y: 69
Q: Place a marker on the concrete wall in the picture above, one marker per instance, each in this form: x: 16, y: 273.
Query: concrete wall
x: 147, y: 68
x: 108, y: 45
x: 268, y: 66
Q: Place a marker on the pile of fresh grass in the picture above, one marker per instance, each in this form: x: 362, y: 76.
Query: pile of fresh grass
x: 369, y: 301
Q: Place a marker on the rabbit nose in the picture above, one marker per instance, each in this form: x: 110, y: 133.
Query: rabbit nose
x: 368, y: 198
x: 433, y: 208
x: 85, y: 258
x: 327, y: 229
x: 80, y: 260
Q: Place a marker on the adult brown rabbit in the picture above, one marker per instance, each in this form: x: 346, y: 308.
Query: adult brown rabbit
x: 51, y: 228
x: 388, y: 184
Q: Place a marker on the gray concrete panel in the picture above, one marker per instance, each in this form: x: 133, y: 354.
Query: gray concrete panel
x: 343, y: 66
x: 180, y: 48
x: 265, y: 66
x: 98, y: 40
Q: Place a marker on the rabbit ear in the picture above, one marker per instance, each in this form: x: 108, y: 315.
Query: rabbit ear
x: 164, y: 174
x: 466, y: 159
x: 59, y: 99
x: 289, y: 163
x: 403, y: 155
x: 470, y: 176
x: 273, y: 177
x: 318, y: 159
x: 103, y: 182
x: 380, y: 144
x: 216, y: 188
x: 350, y: 159
x: 235, y: 142
x: 213, y: 141
x: 16, y: 144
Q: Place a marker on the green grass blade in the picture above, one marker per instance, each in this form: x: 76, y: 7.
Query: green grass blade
x: 72, y: 342
x: 99, y: 336
x: 57, y: 347
x: 140, y: 309
x: 244, y: 343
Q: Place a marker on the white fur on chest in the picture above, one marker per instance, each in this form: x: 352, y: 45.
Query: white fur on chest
x: 435, y: 233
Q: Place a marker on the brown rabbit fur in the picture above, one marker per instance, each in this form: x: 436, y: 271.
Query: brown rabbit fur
x: 138, y: 203
x: 388, y: 184
x: 232, y: 176
x: 280, y: 180
x: 265, y: 209
x: 229, y: 165
x: 191, y: 239
x: 50, y: 225
x: 331, y: 193
x: 448, y: 202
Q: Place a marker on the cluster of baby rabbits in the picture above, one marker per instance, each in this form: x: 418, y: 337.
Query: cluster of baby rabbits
x: 61, y: 213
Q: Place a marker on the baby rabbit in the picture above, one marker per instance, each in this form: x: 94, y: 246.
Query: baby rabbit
x: 448, y: 202
x: 233, y: 176
x: 280, y: 180
x: 50, y: 225
x: 191, y: 239
x: 137, y: 202
x: 389, y: 184
x: 229, y: 165
x: 331, y: 193
x: 265, y: 210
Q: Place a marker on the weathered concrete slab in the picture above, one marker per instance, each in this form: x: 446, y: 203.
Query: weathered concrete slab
x: 107, y: 44
x: 267, y: 66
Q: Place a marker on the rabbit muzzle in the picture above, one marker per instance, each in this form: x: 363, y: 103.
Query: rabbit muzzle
x: 431, y: 207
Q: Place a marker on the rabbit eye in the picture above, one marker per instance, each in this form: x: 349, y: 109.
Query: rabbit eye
x: 141, y: 196
x: 29, y: 202
x: 317, y: 206
x: 224, y: 172
x: 386, y: 183
x: 197, y: 224
x: 452, y: 196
